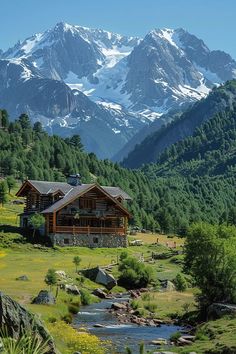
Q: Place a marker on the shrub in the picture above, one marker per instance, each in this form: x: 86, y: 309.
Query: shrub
x: 86, y: 298
x: 51, y: 278
x: 76, y: 261
x: 67, y: 318
x: 134, y: 304
x: 147, y: 297
x: 52, y: 319
x: 201, y: 334
x: 179, y: 259
x: 123, y: 255
x: 81, y: 279
x: 150, y: 306
x: 73, y: 308
x: 37, y: 220
x: 8, y: 239
x: 134, y: 274
x: 175, y: 336
x: 180, y: 282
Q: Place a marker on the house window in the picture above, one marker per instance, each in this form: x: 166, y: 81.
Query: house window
x: 95, y: 240
x: 66, y: 241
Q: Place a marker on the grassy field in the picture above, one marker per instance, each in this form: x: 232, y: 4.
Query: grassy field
x: 26, y: 259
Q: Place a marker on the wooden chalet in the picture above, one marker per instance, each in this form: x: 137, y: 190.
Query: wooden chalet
x: 77, y: 214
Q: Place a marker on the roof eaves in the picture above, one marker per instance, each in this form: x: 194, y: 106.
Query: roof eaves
x: 47, y: 211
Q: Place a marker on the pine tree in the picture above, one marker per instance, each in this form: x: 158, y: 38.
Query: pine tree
x: 3, y: 192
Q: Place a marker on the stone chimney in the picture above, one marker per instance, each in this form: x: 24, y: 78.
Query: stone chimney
x: 74, y: 180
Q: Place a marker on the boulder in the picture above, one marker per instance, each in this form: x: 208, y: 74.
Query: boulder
x: 159, y: 341
x: 100, y: 276
x: 23, y: 278
x: 99, y: 293
x: 17, y: 320
x: 189, y: 337
x: 44, y: 297
x: 217, y: 310
x: 61, y: 274
x: 183, y: 341
x: 72, y: 289
x: 118, y: 306
x: 134, y: 294
x: 167, y: 285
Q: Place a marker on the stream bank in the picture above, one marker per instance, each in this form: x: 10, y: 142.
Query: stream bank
x: 102, y: 322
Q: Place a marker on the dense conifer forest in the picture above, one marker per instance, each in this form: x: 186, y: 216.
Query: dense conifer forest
x: 219, y: 100
x: 192, y: 181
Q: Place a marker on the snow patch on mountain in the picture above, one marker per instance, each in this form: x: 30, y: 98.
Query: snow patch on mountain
x: 209, y: 75
x: 167, y: 34
x: 30, y: 43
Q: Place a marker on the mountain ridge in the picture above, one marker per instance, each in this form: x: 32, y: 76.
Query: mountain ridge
x: 153, y: 145
x: 132, y: 81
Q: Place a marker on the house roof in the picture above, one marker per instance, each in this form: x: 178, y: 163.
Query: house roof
x: 44, y: 187
x: 116, y: 192
x: 72, y: 192
x: 77, y: 191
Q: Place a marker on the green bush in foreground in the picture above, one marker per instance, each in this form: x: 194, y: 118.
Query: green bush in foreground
x: 28, y: 343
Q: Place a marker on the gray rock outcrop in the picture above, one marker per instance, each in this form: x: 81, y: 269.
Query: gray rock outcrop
x: 100, y: 293
x: 23, y: 278
x: 72, y: 289
x: 44, y: 297
x: 99, y: 276
x: 17, y: 320
x: 167, y: 285
x: 218, y: 310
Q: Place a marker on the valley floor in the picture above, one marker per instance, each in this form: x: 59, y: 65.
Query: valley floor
x: 17, y: 259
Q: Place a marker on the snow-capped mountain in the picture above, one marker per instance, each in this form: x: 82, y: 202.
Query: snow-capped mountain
x: 76, y: 79
x: 165, y: 70
x: 104, y: 130
x: 66, y: 49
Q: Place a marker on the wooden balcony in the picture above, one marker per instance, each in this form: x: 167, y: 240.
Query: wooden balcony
x: 89, y: 230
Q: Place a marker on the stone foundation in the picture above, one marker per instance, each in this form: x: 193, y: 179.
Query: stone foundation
x: 92, y: 240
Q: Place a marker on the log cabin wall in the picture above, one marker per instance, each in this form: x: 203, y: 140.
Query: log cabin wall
x: 92, y: 209
x: 46, y: 201
x: 32, y: 201
x: 37, y: 202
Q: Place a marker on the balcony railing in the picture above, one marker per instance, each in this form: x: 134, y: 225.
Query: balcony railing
x: 89, y: 230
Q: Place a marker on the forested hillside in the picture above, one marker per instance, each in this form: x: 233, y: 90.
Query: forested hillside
x: 211, y: 151
x: 203, y: 167
x: 169, y: 201
x: 27, y: 152
x: 219, y: 100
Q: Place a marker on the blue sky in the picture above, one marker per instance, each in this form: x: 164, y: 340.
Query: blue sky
x: 211, y: 20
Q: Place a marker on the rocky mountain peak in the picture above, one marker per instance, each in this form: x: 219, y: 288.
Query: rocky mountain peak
x: 88, y: 76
